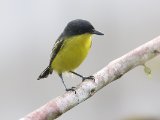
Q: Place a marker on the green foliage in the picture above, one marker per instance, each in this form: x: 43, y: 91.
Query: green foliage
x: 147, y: 71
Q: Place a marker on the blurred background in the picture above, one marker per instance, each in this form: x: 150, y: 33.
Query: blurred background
x: 28, y: 30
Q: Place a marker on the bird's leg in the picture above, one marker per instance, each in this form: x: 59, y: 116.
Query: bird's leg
x: 67, y: 89
x: 83, y: 78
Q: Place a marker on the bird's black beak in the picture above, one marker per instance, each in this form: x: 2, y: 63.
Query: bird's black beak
x: 96, y: 32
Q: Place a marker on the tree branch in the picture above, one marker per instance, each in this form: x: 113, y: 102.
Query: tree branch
x: 113, y: 71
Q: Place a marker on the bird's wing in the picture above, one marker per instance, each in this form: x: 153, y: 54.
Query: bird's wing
x: 57, y: 46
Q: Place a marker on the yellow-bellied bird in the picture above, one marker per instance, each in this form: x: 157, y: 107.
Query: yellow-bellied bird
x: 70, y: 49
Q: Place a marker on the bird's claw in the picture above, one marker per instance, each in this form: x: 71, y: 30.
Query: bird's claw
x: 71, y: 89
x: 89, y: 77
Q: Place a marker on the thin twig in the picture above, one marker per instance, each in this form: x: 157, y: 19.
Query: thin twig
x: 113, y: 71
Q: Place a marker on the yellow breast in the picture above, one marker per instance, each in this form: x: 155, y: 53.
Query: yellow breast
x: 72, y: 53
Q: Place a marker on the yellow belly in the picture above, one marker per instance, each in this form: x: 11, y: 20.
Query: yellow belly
x: 72, y: 54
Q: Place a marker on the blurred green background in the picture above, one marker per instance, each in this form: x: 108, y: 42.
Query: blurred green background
x: 28, y: 30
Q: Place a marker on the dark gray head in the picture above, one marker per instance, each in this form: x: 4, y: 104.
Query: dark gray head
x: 78, y: 27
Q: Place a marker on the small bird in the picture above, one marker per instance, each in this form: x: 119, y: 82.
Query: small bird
x: 70, y: 49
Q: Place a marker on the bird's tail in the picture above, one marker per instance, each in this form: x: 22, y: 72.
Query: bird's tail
x: 45, y: 73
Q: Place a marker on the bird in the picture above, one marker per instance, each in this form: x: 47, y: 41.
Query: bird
x: 70, y: 50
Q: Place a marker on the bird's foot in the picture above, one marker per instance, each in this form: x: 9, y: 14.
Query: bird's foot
x: 89, y: 77
x: 71, y: 89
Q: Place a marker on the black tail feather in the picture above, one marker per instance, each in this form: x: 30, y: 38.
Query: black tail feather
x: 45, y: 73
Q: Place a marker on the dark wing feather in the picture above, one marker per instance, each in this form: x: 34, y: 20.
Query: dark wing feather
x: 57, y: 46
